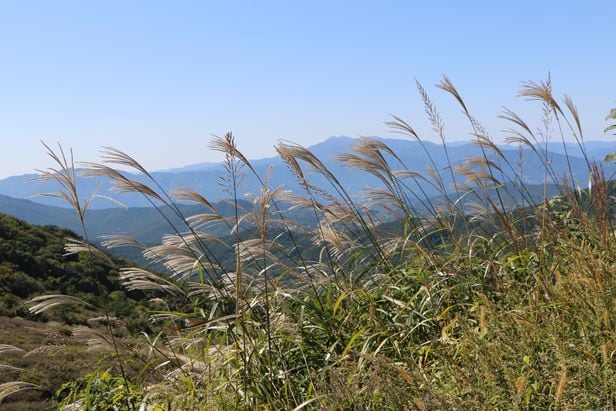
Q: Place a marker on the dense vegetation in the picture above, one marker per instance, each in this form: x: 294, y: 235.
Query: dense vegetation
x: 33, y: 260
x: 487, y: 299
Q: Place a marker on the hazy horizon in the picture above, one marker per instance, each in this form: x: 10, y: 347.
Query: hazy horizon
x: 157, y: 79
x: 554, y: 144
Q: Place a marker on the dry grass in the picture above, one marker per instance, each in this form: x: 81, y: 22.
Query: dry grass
x: 472, y: 303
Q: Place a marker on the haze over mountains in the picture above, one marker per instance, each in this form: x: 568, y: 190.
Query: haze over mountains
x: 206, y: 178
x: 18, y: 194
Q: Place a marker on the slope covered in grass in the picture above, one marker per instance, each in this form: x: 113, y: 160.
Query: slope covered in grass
x: 54, y: 347
x: 486, y: 296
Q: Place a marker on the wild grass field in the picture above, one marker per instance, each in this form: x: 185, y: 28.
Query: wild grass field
x: 486, y: 298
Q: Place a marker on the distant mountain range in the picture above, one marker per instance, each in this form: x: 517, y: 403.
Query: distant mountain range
x: 145, y: 224
x: 206, y: 178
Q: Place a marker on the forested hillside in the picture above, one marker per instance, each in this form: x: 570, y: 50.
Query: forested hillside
x: 33, y: 261
x: 52, y: 348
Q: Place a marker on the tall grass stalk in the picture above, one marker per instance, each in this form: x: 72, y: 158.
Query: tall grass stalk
x: 484, y: 297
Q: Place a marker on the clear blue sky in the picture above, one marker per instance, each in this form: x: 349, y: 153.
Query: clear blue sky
x: 156, y: 78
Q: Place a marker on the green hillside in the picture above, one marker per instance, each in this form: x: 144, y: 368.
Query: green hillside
x: 32, y: 262
x: 47, y: 349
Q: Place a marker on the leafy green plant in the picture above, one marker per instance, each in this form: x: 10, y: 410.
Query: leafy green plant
x: 611, y: 116
x: 100, y: 391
